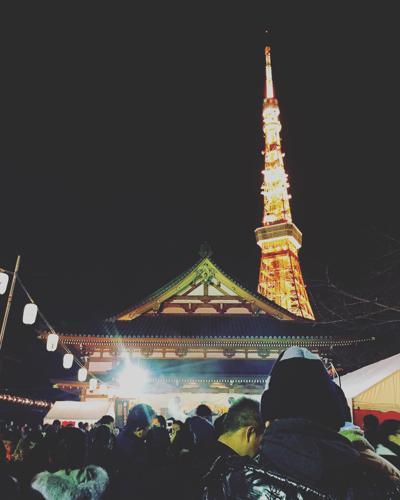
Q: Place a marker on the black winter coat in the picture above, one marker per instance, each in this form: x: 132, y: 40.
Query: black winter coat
x: 299, y: 460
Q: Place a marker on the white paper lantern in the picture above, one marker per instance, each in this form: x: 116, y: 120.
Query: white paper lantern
x: 3, y: 283
x: 82, y: 374
x: 52, y: 342
x: 30, y: 313
x: 92, y: 384
x: 68, y: 360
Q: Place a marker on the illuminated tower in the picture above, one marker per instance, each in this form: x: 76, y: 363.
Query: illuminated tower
x: 280, y: 277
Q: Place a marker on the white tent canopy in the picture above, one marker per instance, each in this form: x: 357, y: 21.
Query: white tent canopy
x: 375, y: 386
x: 80, y: 411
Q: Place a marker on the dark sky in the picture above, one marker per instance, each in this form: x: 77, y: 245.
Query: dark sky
x: 131, y: 136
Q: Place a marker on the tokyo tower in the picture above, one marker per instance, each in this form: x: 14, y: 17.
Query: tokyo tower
x: 280, y: 278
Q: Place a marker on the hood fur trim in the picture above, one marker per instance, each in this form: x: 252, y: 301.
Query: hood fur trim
x: 90, y: 482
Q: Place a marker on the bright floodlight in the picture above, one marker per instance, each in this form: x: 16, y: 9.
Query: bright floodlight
x: 3, y: 283
x: 131, y: 380
x: 30, y: 313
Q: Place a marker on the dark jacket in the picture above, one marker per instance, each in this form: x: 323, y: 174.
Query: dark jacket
x: 158, y: 444
x: 204, y: 432
x: 131, y: 450
x: 299, y: 459
x: 133, y: 467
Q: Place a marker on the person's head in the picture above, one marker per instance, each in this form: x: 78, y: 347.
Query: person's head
x: 389, y: 430
x: 68, y: 449
x: 371, y: 422
x: 56, y: 424
x: 106, y: 420
x: 175, y: 428
x: 183, y: 437
x: 102, y: 438
x: 300, y: 387
x: 139, y: 420
x: 80, y: 425
x: 204, y: 411
x: 159, y: 421
x: 243, y: 427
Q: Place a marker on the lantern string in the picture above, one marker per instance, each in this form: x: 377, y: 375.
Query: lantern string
x: 52, y: 330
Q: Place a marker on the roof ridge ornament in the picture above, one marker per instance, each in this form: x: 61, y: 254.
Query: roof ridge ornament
x: 205, y: 250
x: 205, y: 273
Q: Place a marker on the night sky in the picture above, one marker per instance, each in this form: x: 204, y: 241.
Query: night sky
x: 131, y: 136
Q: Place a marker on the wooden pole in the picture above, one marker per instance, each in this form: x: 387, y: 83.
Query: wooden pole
x: 9, y: 300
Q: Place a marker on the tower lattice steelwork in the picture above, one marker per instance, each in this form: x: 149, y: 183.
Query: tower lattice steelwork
x: 280, y: 277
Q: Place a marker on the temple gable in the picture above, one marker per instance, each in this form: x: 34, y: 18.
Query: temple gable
x: 204, y: 289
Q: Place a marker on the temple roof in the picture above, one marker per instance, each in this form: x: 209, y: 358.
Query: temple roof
x: 204, y: 303
x: 204, y: 275
x: 192, y: 326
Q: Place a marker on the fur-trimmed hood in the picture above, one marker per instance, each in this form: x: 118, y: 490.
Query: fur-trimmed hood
x: 87, y: 483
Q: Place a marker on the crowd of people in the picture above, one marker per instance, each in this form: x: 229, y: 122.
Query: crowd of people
x: 297, y: 443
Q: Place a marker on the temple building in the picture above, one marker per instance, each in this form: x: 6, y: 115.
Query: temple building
x: 204, y: 336
x: 201, y: 337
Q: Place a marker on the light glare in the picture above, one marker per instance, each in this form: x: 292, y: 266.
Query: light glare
x: 131, y: 380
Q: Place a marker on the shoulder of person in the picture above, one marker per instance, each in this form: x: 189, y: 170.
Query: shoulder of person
x: 271, y: 484
x: 247, y: 479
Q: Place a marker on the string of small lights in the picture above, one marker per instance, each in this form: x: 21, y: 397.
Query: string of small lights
x: 24, y: 401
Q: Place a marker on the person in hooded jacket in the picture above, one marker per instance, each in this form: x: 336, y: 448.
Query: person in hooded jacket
x: 302, y: 454
x: 202, y: 427
x: 135, y: 475
x: 158, y: 441
x: 72, y: 480
x: 101, y: 449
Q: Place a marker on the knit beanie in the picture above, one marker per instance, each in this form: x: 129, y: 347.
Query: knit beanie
x: 300, y: 387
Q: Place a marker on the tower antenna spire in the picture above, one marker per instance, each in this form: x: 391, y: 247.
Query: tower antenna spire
x: 269, y: 85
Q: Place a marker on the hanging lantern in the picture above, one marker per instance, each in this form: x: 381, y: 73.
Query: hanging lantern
x: 52, y: 342
x: 30, y: 313
x: 92, y: 384
x: 68, y: 360
x: 3, y: 283
x: 82, y: 374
